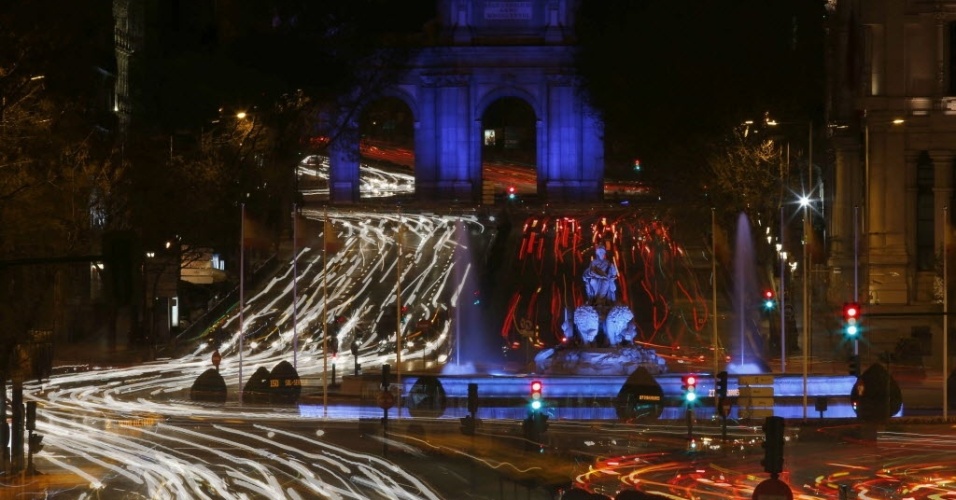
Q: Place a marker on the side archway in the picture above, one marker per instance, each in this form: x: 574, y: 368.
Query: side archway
x: 510, y: 144
x: 348, y: 144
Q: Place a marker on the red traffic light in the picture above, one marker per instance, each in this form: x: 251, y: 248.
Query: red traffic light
x: 851, y: 310
x: 690, y: 381
x: 536, y: 387
x: 768, y: 294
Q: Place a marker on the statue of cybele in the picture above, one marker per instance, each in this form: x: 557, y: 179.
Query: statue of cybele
x: 600, y: 278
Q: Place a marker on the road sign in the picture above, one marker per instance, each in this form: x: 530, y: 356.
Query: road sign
x: 756, y: 402
x: 756, y: 392
x: 747, y: 412
x: 755, y: 380
x: 772, y: 489
x: 386, y: 400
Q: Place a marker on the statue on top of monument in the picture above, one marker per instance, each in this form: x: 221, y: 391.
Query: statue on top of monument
x: 599, y: 279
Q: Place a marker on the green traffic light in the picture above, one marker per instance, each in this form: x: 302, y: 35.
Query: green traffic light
x: 690, y: 397
x: 536, y: 405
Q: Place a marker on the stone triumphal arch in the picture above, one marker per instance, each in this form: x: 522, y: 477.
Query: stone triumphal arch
x: 491, y: 50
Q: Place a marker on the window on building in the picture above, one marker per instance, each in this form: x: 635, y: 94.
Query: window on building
x: 925, y: 220
x: 952, y: 59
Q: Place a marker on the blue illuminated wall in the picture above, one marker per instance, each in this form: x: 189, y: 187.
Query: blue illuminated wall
x: 490, y: 50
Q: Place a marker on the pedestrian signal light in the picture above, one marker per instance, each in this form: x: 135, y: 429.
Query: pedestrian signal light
x: 536, y: 401
x: 851, y: 319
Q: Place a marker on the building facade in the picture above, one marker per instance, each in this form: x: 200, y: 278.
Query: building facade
x: 892, y: 120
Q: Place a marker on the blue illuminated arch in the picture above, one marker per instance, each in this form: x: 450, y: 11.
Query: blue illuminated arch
x: 488, y: 51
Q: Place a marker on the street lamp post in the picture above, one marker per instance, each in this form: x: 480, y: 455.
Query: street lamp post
x: 713, y: 284
x: 805, y: 203
x: 783, y: 278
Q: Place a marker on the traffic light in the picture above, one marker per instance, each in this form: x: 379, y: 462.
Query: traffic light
x: 35, y: 443
x: 512, y: 192
x: 768, y: 300
x: 721, y: 387
x: 851, y: 319
x: 31, y: 424
x: 854, y: 362
x: 689, y: 386
x: 773, y: 445
x: 473, y: 398
x: 536, y: 400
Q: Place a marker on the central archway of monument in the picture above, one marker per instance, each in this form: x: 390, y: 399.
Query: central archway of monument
x: 509, y: 151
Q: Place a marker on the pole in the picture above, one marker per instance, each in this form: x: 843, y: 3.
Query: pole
x: 809, y: 234
x: 326, y: 227
x: 713, y: 285
x: 398, y: 309
x: 295, y: 288
x: 866, y: 193
x: 856, y: 253
x: 242, y: 290
x: 457, y: 306
x: 856, y: 272
x: 806, y: 270
x: 945, y: 313
x: 783, y: 300
x: 806, y: 308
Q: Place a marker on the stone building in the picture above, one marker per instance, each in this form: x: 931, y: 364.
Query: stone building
x: 892, y: 125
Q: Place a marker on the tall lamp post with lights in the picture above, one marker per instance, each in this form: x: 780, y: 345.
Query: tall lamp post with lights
x: 805, y: 204
x: 805, y: 201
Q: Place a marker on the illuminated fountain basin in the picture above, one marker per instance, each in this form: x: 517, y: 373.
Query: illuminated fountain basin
x: 591, y: 398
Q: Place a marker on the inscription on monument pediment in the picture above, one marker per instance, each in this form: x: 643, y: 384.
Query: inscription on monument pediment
x: 508, y: 11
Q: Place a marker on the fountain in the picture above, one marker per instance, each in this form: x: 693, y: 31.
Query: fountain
x: 746, y: 346
x: 468, y: 321
x: 602, y: 315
